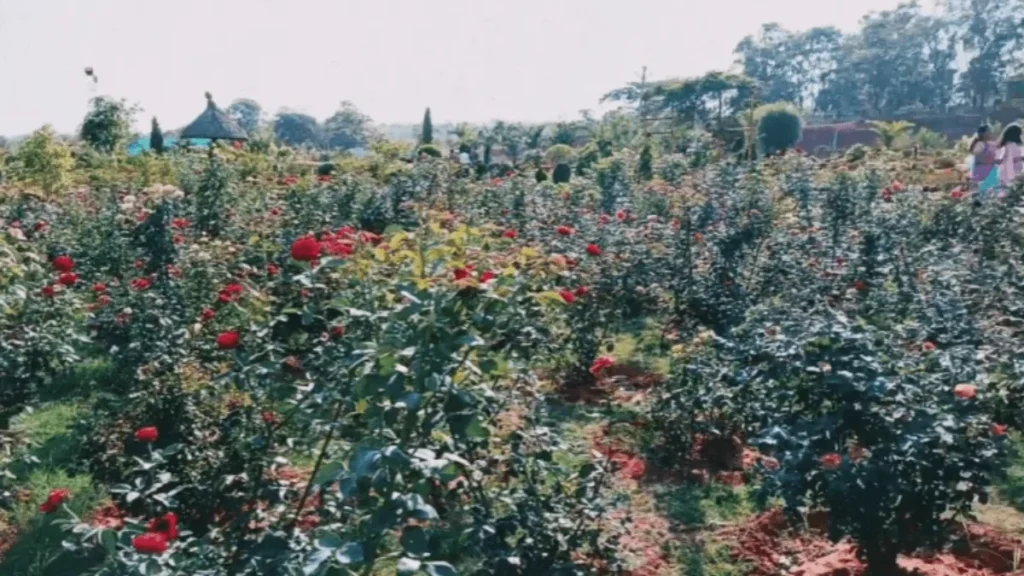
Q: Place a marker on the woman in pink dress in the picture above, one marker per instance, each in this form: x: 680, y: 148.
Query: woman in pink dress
x: 1011, y: 161
x: 983, y: 160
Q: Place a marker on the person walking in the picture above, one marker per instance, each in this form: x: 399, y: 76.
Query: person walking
x: 984, y: 175
x: 1011, y: 162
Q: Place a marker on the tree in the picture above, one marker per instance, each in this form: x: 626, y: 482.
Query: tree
x: 108, y: 124
x: 156, y: 137
x: 247, y: 113
x: 427, y: 136
x: 43, y: 160
x: 645, y: 168
x: 889, y: 132
x: 778, y: 127
x: 297, y: 129
x: 349, y: 128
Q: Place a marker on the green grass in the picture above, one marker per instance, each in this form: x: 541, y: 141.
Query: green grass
x: 37, y: 551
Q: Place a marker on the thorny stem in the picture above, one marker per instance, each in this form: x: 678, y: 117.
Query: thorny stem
x: 319, y: 462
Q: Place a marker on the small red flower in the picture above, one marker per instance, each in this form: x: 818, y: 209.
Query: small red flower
x: 68, y: 278
x: 965, y: 391
x: 338, y: 331
x: 275, y: 211
x: 487, y: 276
x: 228, y: 340
x: 999, y: 429
x: 49, y: 291
x: 861, y: 286
x: 698, y: 237
x: 601, y: 364
x: 511, y: 234
x: 306, y: 249
x: 147, y: 434
x: 208, y: 314
x: 621, y: 215
x: 54, y: 500
x: 461, y: 273
x: 369, y: 237
x: 887, y: 195
x: 150, y: 543
x: 594, y: 250
x: 604, y: 219
x: 180, y: 223
x: 103, y: 300
x: 928, y: 346
x: 831, y: 461
x: 63, y: 263
x: 99, y: 287
x: 140, y: 264
x: 564, y: 230
x: 141, y: 284
x: 325, y: 178
x: 897, y: 186
x: 272, y: 270
x: 568, y: 296
x: 166, y: 525
x: 269, y: 417
x: 957, y: 194
x: 582, y: 291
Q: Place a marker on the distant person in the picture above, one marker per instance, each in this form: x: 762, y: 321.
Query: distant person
x: 1011, y: 162
x: 984, y: 176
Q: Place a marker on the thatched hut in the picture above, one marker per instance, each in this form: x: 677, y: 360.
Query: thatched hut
x: 214, y: 124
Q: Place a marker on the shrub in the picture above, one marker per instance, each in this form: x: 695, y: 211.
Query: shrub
x: 856, y: 153
x: 429, y: 150
x: 325, y: 169
x: 108, y: 124
x: 560, y: 154
x: 156, y: 137
x: 778, y: 127
x: 540, y: 175
x: 562, y: 174
x: 645, y: 167
x: 45, y: 161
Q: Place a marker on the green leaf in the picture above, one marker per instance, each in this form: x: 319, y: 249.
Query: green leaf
x: 440, y: 569
x: 315, y: 561
x: 414, y: 541
x: 109, y: 540
x: 476, y: 430
x: 330, y: 541
x: 350, y: 553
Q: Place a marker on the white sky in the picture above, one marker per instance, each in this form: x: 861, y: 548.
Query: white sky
x: 471, y: 60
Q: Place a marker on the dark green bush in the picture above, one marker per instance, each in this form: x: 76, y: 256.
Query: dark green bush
x: 778, y: 127
x: 429, y: 150
x: 562, y: 174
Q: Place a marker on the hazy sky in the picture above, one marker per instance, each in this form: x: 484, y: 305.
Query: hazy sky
x: 473, y: 60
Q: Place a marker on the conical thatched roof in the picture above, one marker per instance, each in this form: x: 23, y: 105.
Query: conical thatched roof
x: 214, y: 124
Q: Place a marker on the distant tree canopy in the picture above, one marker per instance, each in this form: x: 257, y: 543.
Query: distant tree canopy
x: 296, y: 129
x: 108, y: 124
x: 708, y: 97
x: 247, y: 113
x: 349, y: 128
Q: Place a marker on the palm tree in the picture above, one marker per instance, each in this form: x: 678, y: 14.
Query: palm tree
x: 890, y: 131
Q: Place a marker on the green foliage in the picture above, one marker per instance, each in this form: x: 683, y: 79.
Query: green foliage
x: 540, y: 175
x: 349, y: 128
x: 248, y: 114
x: 562, y: 174
x: 778, y: 127
x: 560, y: 154
x: 645, y: 167
x: 297, y: 129
x: 156, y: 137
x: 856, y: 153
x: 890, y: 132
x: 108, y: 124
x: 429, y: 150
x: 427, y: 134
x: 43, y: 160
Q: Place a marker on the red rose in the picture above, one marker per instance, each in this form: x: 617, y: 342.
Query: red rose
x: 621, y: 215
x: 272, y: 270
x: 999, y: 429
x: 275, y: 211
x: 325, y: 178
x: 582, y: 291
x: 228, y: 340
x: 510, y: 234
x: 166, y: 525
x: 99, y: 287
x: 150, y: 543
x: 928, y: 346
x: 53, y: 502
x: 180, y: 223
x: 208, y: 314
x: 601, y: 364
x: 564, y: 230
x: 63, y: 263
x: 147, y: 434
x: 594, y: 250
x: 957, y: 194
x: 269, y: 417
x: 338, y: 331
x: 965, y: 391
x: 141, y: 284
x: 487, y: 276
x: 495, y: 181
x: 831, y: 461
x: 369, y: 237
x: 461, y: 273
x: 49, y: 291
x: 104, y: 300
x: 68, y: 278
x: 568, y: 296
x: 861, y: 286
x: 897, y: 186
x: 604, y: 219
x: 306, y: 249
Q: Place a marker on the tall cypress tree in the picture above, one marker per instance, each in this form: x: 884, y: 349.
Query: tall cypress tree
x: 156, y: 137
x: 428, y: 129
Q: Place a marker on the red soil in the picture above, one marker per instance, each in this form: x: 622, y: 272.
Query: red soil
x: 771, y: 546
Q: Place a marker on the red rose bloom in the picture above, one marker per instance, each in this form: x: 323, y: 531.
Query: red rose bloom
x: 999, y: 429
x: 150, y: 543
x: 601, y: 364
x: 487, y: 276
x: 604, y: 219
x: 68, y: 278
x: 63, y: 263
x: 306, y: 249
x: 510, y: 234
x: 928, y: 346
x: 594, y: 250
x: 621, y: 215
x: 180, y: 223
x: 831, y: 461
x: 338, y: 331
x: 49, y: 291
x: 272, y: 270
x: 269, y: 417
x: 564, y: 230
x: 965, y: 391
x: 53, y: 502
x: 208, y: 314
x: 957, y: 194
x: 582, y: 291
x: 460, y: 273
x: 228, y: 340
x: 141, y: 284
x: 568, y: 296
x: 166, y: 525
x: 147, y: 434
x: 99, y: 287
